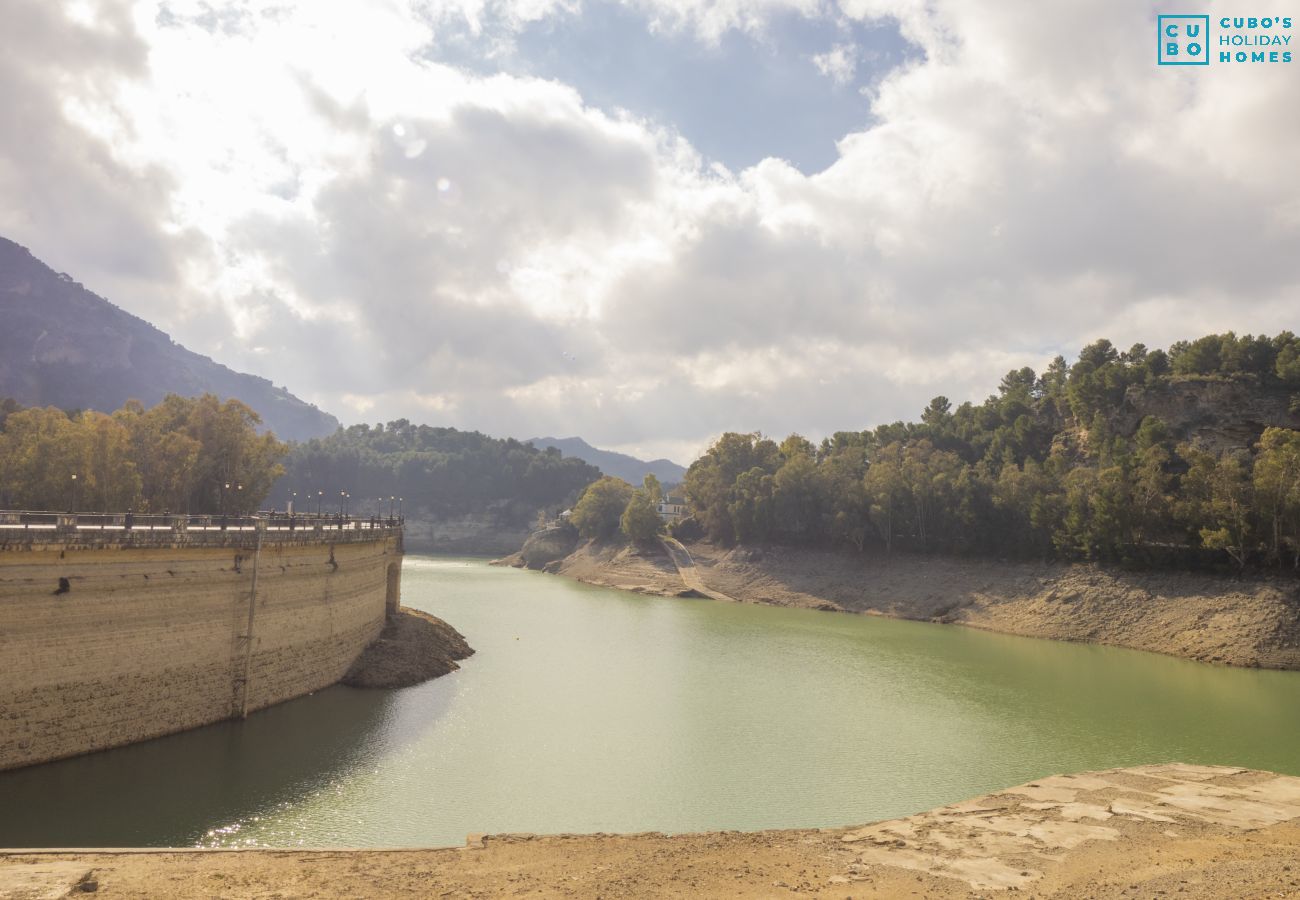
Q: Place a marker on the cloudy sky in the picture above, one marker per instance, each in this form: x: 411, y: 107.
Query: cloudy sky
x: 646, y: 222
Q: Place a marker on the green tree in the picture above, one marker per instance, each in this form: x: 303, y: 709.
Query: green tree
x: 799, y: 497
x: 600, y: 510
x: 1152, y: 481
x: 1216, y: 502
x: 41, y: 450
x: 1287, y: 367
x: 640, y: 521
x: 1277, y: 492
x: 715, y: 491
x: 887, y: 494
x: 653, y: 490
x: 752, y: 505
x: 164, y: 460
x: 112, y: 482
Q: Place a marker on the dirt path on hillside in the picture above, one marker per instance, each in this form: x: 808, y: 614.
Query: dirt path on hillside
x: 688, y: 571
x: 1185, y: 831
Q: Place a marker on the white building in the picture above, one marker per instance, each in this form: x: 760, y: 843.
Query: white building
x: 671, y: 509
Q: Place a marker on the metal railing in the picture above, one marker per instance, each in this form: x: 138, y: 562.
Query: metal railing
x: 269, y: 520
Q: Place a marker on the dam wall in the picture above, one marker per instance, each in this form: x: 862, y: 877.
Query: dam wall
x: 111, y: 637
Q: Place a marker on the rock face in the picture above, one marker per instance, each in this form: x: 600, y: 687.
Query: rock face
x: 496, y: 530
x: 414, y: 647
x: 65, y: 346
x: 1214, y: 413
x: 547, y: 546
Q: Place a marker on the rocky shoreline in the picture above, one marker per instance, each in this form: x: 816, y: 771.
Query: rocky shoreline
x: 413, y: 647
x: 1252, y: 623
x: 1177, y: 830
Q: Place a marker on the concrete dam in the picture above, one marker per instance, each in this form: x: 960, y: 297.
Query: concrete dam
x: 114, y: 632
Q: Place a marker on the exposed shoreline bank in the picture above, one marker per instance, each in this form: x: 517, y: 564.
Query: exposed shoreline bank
x: 414, y: 647
x: 1249, y: 623
x: 1194, y: 831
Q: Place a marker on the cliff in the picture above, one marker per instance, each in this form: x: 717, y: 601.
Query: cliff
x: 544, y: 549
x: 1215, y: 413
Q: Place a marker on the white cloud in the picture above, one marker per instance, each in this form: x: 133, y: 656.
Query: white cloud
x: 400, y: 237
x: 839, y: 63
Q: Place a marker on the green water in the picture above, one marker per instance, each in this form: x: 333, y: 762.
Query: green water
x: 594, y: 710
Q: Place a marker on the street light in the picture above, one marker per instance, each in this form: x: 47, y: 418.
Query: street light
x: 225, y: 486
x: 399, y: 509
x: 72, y: 491
x: 320, y: 495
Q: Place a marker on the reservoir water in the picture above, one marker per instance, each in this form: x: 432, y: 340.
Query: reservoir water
x: 588, y: 709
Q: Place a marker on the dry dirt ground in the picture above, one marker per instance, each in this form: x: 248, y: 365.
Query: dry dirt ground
x: 1152, y: 831
x: 1202, y: 617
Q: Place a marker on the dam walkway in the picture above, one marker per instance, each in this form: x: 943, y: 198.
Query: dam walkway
x: 26, y: 527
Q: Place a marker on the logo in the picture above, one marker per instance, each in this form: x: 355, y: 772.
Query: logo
x: 1186, y: 40
x: 1183, y: 40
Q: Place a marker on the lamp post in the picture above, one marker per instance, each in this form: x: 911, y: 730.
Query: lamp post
x: 399, y: 510
x: 293, y: 502
x: 391, y: 502
x: 342, y: 494
x: 225, y: 486
x: 72, y: 494
x: 320, y: 495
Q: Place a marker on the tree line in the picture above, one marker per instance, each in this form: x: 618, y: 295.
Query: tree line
x: 1039, y: 470
x: 442, y: 471
x: 205, y: 456
x: 177, y: 456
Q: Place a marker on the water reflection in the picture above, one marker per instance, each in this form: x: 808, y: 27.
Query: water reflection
x: 173, y: 790
x: 594, y: 710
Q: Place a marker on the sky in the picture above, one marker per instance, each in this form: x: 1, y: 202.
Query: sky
x: 652, y: 221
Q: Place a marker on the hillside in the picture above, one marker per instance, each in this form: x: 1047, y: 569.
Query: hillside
x: 461, y: 491
x: 63, y: 346
x: 619, y: 465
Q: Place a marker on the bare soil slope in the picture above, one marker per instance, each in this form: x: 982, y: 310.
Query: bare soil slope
x: 1202, y: 617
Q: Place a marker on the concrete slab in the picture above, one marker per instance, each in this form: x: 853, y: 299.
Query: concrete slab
x: 41, y: 881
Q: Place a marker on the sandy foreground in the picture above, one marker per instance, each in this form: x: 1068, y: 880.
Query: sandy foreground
x: 1165, y: 830
x: 1197, y: 616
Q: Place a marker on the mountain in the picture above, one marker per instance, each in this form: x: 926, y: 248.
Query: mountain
x: 61, y: 345
x: 620, y: 465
